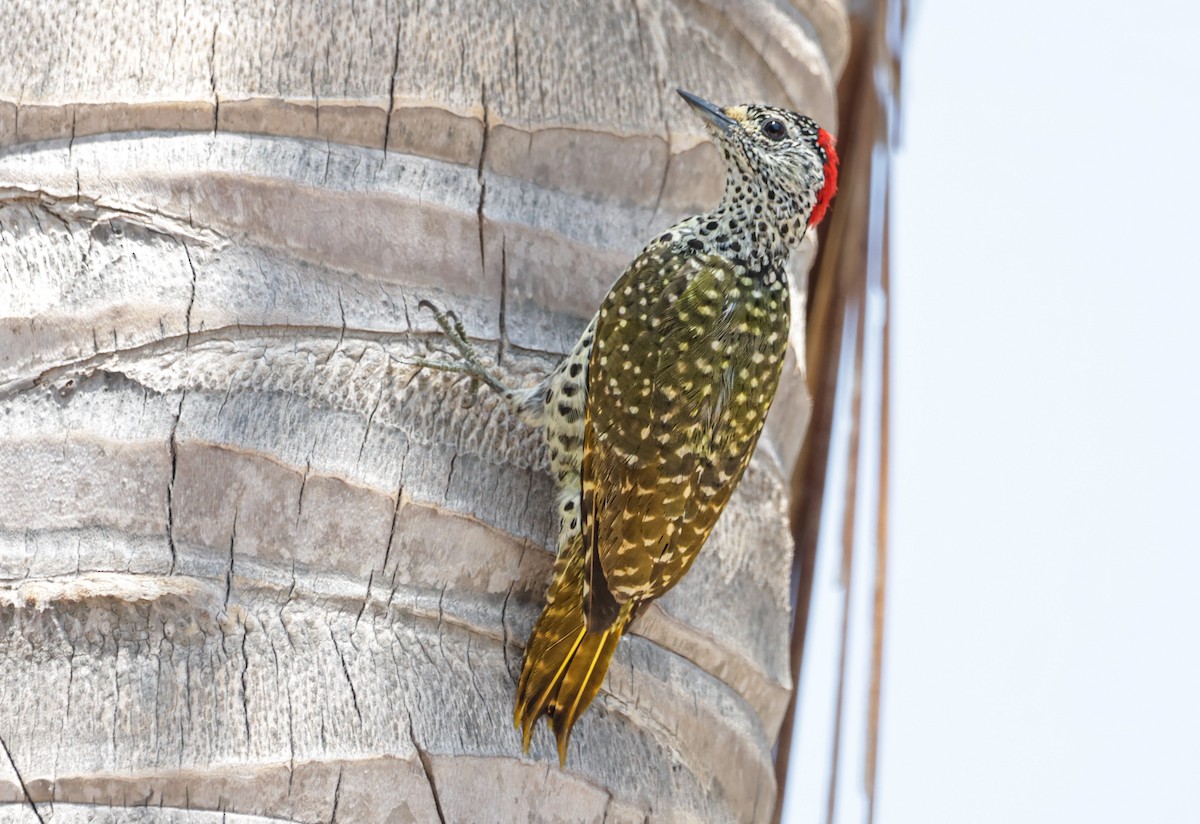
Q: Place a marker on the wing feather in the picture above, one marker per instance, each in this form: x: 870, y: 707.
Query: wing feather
x: 665, y: 433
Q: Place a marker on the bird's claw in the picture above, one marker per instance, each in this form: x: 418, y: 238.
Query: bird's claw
x: 470, y: 364
x: 453, y: 329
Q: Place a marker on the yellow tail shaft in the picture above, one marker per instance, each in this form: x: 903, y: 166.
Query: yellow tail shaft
x: 564, y: 662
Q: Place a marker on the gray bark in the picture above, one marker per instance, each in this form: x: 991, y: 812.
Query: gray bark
x: 251, y: 562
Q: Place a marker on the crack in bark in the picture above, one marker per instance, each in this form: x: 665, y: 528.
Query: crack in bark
x: 316, y: 96
x: 67, y: 711
x: 366, y: 600
x: 387, y: 121
x: 427, y: 767
x: 387, y: 550
x: 21, y: 781
x: 229, y: 572
x: 383, y: 382
x: 450, y: 477
x: 504, y: 630
x: 342, y: 330
x: 71, y: 143
x: 173, y: 447
x: 82, y: 207
x: 516, y: 53
x: 407, y: 317
x: 441, y: 617
x: 212, y: 79
x: 187, y: 315
x: 328, y: 152
x: 479, y: 177
x: 300, y: 496
x: 245, y: 671
x: 346, y: 672
x: 503, y: 332
x: 337, y: 794
x: 291, y: 593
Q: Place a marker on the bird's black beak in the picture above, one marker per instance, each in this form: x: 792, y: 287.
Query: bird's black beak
x: 708, y: 111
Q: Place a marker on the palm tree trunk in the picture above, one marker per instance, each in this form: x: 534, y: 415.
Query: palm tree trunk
x: 250, y: 561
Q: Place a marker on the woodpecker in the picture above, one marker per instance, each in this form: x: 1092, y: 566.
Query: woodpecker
x: 652, y: 417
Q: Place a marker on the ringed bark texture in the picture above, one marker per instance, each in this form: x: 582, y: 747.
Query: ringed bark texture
x: 251, y: 562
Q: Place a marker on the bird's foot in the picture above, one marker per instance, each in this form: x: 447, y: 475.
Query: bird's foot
x: 469, y: 363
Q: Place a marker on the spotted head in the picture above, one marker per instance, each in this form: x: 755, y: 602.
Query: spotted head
x: 776, y: 158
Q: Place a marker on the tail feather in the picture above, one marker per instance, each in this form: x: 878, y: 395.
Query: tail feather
x: 565, y: 663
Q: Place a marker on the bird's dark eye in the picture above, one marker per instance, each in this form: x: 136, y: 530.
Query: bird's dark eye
x: 775, y: 129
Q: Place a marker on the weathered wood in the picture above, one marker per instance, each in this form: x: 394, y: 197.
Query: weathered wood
x: 250, y: 561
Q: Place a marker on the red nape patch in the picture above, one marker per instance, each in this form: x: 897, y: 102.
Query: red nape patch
x: 827, y: 143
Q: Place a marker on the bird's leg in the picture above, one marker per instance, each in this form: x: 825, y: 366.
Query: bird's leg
x: 470, y: 364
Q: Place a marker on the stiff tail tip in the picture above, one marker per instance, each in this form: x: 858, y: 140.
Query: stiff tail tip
x: 564, y: 667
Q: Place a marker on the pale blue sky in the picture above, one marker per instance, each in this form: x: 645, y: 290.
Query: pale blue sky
x: 1043, y: 657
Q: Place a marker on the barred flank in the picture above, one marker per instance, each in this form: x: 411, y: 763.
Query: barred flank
x: 564, y: 662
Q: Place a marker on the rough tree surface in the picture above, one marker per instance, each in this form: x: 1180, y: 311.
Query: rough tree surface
x: 250, y: 562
